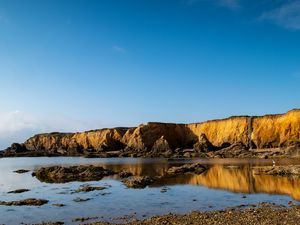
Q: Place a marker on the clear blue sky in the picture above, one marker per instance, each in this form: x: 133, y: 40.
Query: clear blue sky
x: 76, y: 65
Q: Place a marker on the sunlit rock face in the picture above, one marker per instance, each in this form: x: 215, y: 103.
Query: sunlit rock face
x: 100, y: 140
x: 275, y: 130
x: 269, y: 131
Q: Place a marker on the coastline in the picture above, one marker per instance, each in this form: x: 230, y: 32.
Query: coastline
x: 264, y: 213
x: 234, y: 137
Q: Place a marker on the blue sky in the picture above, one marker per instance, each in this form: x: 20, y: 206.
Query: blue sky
x: 79, y: 65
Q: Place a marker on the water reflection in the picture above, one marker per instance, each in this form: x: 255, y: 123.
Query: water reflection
x: 240, y: 179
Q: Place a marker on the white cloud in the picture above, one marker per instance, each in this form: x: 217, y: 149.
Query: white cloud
x: 15, y: 121
x: 287, y: 15
x: 119, y: 49
x: 18, y: 126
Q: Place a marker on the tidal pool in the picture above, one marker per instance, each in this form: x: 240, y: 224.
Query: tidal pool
x: 227, y: 183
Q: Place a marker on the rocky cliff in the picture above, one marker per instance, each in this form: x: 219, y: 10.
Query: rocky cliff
x: 154, y: 139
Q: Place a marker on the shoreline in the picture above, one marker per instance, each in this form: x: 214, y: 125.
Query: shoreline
x: 233, y: 151
x: 263, y: 213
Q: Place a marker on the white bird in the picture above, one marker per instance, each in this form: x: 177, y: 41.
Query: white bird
x: 273, y: 162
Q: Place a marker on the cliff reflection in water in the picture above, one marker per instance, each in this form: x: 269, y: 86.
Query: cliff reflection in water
x: 240, y: 179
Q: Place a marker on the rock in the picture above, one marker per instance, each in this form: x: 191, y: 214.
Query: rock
x: 59, y: 174
x: 29, y: 201
x: 161, y: 145
x: 138, y: 181
x: 236, y: 150
x: 125, y: 174
x: 18, y: 191
x: 164, y: 189
x: 203, y: 144
x: 81, y: 199
x: 289, y: 170
x: 51, y: 223
x: 196, y: 168
x: 82, y: 219
x: 58, y: 205
x: 18, y: 148
x: 21, y: 171
x: 89, y: 188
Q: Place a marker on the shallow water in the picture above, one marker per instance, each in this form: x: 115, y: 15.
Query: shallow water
x: 227, y: 183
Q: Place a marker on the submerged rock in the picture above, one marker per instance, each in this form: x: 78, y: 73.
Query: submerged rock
x: 29, y: 201
x: 21, y: 171
x: 81, y: 199
x: 59, y: 205
x: 138, y: 181
x: 89, y: 188
x: 196, y: 168
x: 18, y: 191
x: 59, y: 174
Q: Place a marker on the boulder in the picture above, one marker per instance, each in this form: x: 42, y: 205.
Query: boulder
x: 59, y: 174
x: 29, y: 201
x: 195, y: 168
x: 138, y: 181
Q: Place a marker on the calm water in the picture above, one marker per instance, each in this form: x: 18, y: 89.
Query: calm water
x: 227, y: 183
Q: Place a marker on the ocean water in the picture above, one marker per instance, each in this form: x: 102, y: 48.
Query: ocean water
x: 227, y: 183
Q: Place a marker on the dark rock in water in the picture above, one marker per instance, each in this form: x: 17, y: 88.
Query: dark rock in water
x: 125, y: 174
x: 164, y: 189
x: 21, y: 171
x: 196, y: 168
x: 59, y: 205
x: 277, y: 170
x: 81, y: 199
x: 51, y: 223
x: 59, y: 174
x: 82, y: 219
x: 88, y: 188
x: 29, y: 201
x: 138, y: 181
x: 18, y: 191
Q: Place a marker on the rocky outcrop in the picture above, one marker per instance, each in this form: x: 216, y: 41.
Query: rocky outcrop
x: 138, y: 181
x: 289, y: 170
x: 196, y: 168
x: 59, y: 174
x: 169, y: 139
x: 29, y: 201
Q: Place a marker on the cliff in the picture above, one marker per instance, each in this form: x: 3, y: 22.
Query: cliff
x: 269, y: 131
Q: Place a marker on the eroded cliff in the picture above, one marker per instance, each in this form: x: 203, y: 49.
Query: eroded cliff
x: 270, y: 131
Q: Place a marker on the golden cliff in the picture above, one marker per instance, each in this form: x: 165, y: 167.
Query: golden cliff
x: 270, y: 131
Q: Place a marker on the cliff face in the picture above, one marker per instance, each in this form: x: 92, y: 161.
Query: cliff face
x: 276, y: 130
x: 71, y: 143
x: 258, y: 132
x: 220, y: 132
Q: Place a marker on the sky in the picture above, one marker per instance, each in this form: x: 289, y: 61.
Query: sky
x: 74, y: 65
